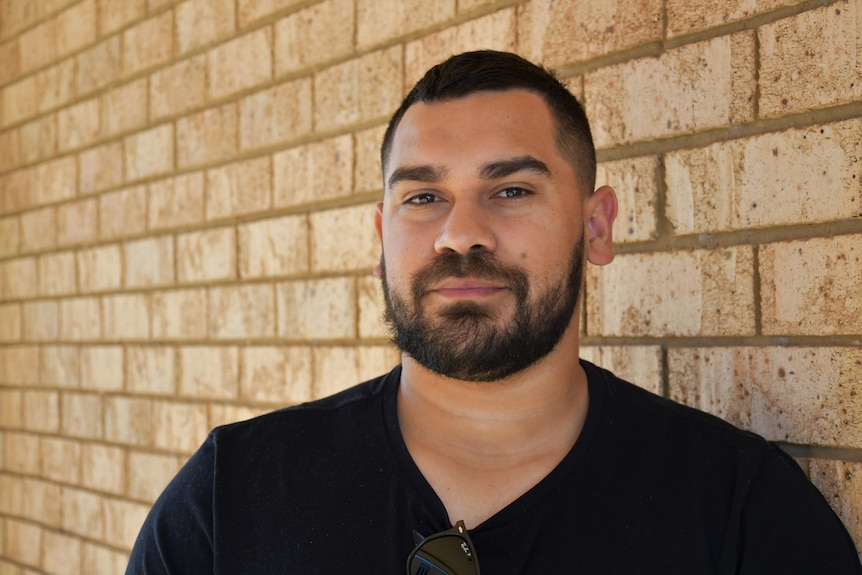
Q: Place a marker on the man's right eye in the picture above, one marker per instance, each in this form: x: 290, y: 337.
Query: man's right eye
x: 422, y: 199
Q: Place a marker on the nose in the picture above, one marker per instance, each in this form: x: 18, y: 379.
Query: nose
x: 466, y: 228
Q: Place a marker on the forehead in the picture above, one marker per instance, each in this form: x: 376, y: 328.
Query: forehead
x: 480, y: 127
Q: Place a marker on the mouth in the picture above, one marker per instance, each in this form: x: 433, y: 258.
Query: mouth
x: 466, y: 288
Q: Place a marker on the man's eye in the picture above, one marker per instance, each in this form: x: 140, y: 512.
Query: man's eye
x: 513, y: 192
x: 422, y: 199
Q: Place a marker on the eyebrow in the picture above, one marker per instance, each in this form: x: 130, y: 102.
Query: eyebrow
x: 490, y: 171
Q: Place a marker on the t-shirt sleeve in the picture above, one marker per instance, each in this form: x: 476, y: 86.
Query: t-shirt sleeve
x: 176, y: 537
x: 789, y: 528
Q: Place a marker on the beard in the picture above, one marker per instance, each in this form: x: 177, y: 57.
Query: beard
x: 466, y: 342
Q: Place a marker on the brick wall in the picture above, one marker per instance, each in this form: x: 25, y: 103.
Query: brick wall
x: 186, y: 239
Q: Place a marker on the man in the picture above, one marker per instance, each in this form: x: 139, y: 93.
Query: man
x: 491, y: 441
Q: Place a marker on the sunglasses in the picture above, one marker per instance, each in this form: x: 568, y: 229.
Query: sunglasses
x: 449, y: 552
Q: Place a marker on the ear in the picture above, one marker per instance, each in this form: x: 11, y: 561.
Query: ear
x: 378, y: 221
x: 600, y: 211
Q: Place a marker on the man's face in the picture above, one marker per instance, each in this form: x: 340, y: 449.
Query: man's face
x: 482, y: 229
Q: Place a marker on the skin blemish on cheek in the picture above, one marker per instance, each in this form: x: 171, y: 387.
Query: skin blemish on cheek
x: 523, y: 255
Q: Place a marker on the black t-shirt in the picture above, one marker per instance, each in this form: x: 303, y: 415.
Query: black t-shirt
x: 650, y: 487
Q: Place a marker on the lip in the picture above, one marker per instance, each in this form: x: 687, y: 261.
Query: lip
x: 466, y: 288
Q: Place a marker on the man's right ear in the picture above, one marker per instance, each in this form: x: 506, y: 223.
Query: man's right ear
x: 600, y: 210
x: 378, y: 221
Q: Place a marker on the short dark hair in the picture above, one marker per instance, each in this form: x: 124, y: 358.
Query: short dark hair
x: 492, y: 71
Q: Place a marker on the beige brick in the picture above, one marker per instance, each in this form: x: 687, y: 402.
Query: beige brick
x: 38, y: 46
x: 149, y: 262
x: 102, y: 367
x: 800, y: 395
x: 148, y: 44
x: 797, y: 74
x: 179, y: 88
x: 38, y: 139
x: 42, y: 502
x: 149, y: 153
x: 149, y: 474
x: 10, y: 55
x: 23, y: 542
x: 126, y: 317
x: 641, y: 365
x: 18, y: 278
x: 841, y: 485
x: 180, y: 314
x: 83, y: 513
x: 201, y: 22
x: 98, y: 66
x: 317, y: 34
x: 634, y: 181
x: 338, y: 368
x: 10, y: 236
x: 129, y: 420
x: 23, y: 364
x: 811, y: 287
x: 770, y: 180
x: 10, y: 322
x: 115, y: 15
x: 80, y: 319
x: 376, y: 25
x: 497, y: 31
x: 100, y: 269
x: 55, y: 86
x: 175, y: 202
x: 681, y: 19
x: 695, y: 87
x: 19, y: 100
x: 77, y: 222
x: 252, y: 10
x: 180, y: 427
x: 151, y: 370
x: 60, y: 366
x: 60, y: 459
x: 685, y: 293
x: 546, y: 32
x: 240, y: 64
x: 21, y: 453
x: 123, y: 520
x: 41, y: 411
x: 330, y: 252
x: 125, y: 107
x: 207, y: 255
x: 274, y: 247
x: 276, y: 115
x: 280, y: 375
x: 366, y: 171
x: 9, y: 149
x: 359, y: 90
x: 369, y: 294
x: 207, y: 136
x: 62, y: 554
x: 208, y: 372
x: 317, y: 309
x: 123, y: 213
x: 101, y: 167
x: 10, y: 494
x: 38, y: 229
x: 103, y: 468
x: 246, y: 311
x: 239, y: 188
x: 314, y: 172
x: 103, y: 560
x: 57, y: 274
x: 54, y: 181
x: 41, y: 321
x: 76, y: 27
x: 82, y: 415
x: 10, y: 409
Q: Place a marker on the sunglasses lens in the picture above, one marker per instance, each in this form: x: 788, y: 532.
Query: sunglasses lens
x: 446, y: 555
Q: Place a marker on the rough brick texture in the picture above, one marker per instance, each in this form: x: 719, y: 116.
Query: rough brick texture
x: 187, y: 190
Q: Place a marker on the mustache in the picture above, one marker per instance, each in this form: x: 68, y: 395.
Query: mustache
x: 479, y: 265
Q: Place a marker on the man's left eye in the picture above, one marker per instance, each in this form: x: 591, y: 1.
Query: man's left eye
x: 513, y: 192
